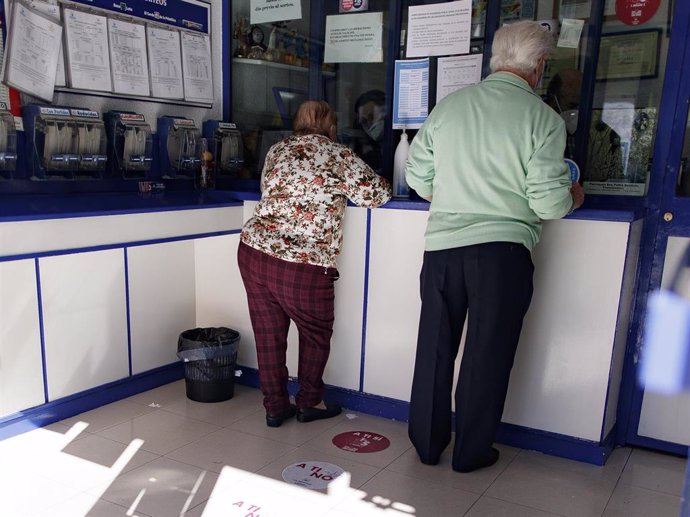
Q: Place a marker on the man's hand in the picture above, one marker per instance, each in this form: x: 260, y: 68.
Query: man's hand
x: 578, y: 194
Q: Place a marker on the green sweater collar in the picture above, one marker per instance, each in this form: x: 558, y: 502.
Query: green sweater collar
x: 513, y: 79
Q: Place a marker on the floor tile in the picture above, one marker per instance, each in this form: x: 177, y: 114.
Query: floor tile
x: 632, y: 501
x: 245, y: 402
x: 109, y: 415
x: 85, y: 505
x: 229, y: 447
x: 611, y: 470
x: 160, y: 396
x: 552, y: 489
x: 33, y: 446
x: 478, y: 481
x: 404, y: 495
x: 161, y: 488
x: 654, y: 471
x: 396, y: 432
x: 161, y: 431
x: 489, y: 507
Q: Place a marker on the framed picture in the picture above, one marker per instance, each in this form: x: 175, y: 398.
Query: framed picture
x: 629, y: 55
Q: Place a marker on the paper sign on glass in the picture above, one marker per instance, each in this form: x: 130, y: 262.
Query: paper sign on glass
x: 88, y: 58
x: 267, y: 11
x: 32, y: 52
x: 439, y: 29
x: 454, y: 73
x: 128, y: 57
x: 571, y: 30
x: 197, y: 69
x: 354, y: 38
x: 411, y: 93
x: 165, y: 64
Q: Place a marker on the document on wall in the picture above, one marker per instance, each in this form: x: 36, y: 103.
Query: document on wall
x: 411, y: 93
x: 439, y: 29
x: 165, y: 63
x: 197, y: 70
x: 571, y: 31
x: 354, y: 38
x: 33, y: 46
x: 88, y: 58
x: 128, y: 57
x: 454, y: 73
x: 267, y: 11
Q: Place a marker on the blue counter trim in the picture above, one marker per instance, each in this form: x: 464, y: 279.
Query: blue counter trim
x: 127, y: 313
x: 367, y: 248
x: 67, y: 407
x: 119, y: 245
x: 41, y: 329
x: 658, y: 445
x: 399, y: 204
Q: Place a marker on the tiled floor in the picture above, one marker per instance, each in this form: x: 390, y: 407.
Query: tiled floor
x: 159, y: 454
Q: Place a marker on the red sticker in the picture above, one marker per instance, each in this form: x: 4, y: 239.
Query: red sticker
x: 361, y: 441
x: 636, y: 12
x: 346, y: 4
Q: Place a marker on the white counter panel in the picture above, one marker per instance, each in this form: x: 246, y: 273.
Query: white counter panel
x: 397, y: 249
x: 85, y: 321
x: 162, y: 301
x: 20, y: 237
x: 560, y: 377
x: 21, y: 373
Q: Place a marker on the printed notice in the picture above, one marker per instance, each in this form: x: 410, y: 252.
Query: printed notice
x: 354, y: 38
x: 51, y: 8
x: 571, y: 30
x: 32, y: 52
x: 454, y: 73
x: 88, y: 57
x: 439, y: 29
x: 267, y: 11
x: 128, y: 57
x: 196, y: 67
x: 411, y: 94
x: 165, y: 63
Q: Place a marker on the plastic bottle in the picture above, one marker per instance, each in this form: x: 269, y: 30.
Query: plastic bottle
x: 400, y: 187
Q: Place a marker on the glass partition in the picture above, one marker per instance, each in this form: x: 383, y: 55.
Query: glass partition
x: 683, y: 189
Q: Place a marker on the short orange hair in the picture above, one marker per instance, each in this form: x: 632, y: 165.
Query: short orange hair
x: 315, y: 117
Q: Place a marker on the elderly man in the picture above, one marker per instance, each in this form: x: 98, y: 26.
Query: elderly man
x: 491, y: 157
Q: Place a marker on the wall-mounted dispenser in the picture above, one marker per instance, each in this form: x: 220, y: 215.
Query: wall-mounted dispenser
x: 64, y: 142
x: 130, y: 145
x: 178, y: 147
x: 225, y: 141
x: 8, y: 145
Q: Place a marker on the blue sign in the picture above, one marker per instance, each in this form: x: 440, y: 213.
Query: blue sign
x: 185, y: 14
x: 574, y: 170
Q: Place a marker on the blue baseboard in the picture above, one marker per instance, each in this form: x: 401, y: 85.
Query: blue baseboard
x: 508, y: 434
x: 67, y: 407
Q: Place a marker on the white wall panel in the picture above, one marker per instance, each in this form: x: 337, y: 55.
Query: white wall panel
x: 162, y: 301
x: 85, y: 321
x: 560, y: 378
x: 21, y: 371
x: 397, y: 249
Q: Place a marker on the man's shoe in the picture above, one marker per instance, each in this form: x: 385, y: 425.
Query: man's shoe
x: 490, y: 459
x: 310, y: 414
x: 277, y: 419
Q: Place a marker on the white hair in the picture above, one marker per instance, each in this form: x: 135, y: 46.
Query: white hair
x: 520, y: 46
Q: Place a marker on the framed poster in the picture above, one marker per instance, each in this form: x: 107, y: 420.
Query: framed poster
x: 629, y: 55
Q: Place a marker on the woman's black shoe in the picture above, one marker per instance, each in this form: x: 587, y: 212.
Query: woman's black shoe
x: 312, y: 413
x: 277, y: 419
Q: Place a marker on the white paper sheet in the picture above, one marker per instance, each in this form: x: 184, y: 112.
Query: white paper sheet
x: 354, y: 38
x: 51, y: 8
x: 267, y: 11
x: 128, y: 57
x: 196, y: 67
x: 165, y: 63
x: 411, y: 93
x: 454, y: 73
x: 439, y: 29
x: 32, y: 52
x: 571, y: 30
x: 88, y: 58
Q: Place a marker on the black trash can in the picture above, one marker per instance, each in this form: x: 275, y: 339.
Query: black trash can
x: 210, y: 358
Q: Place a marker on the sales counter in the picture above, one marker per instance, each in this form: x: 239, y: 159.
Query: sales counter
x: 95, y: 291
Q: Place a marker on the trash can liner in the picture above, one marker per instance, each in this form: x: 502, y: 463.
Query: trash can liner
x: 207, y: 343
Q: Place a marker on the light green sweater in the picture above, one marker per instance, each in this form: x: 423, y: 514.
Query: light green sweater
x: 492, y: 157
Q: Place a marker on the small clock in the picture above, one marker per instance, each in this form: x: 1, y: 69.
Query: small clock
x: 256, y: 35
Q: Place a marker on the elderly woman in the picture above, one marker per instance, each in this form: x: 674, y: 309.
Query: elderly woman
x: 287, y: 256
x: 490, y: 159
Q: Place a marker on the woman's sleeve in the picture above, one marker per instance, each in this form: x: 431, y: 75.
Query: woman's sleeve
x: 360, y: 184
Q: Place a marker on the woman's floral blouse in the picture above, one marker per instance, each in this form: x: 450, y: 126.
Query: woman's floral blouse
x: 305, y: 185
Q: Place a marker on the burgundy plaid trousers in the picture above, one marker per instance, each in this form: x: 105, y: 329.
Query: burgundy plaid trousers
x: 279, y: 291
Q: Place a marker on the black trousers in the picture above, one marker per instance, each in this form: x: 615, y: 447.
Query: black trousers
x: 490, y: 285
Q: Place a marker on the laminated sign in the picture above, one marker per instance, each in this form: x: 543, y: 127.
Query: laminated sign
x: 636, y: 12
